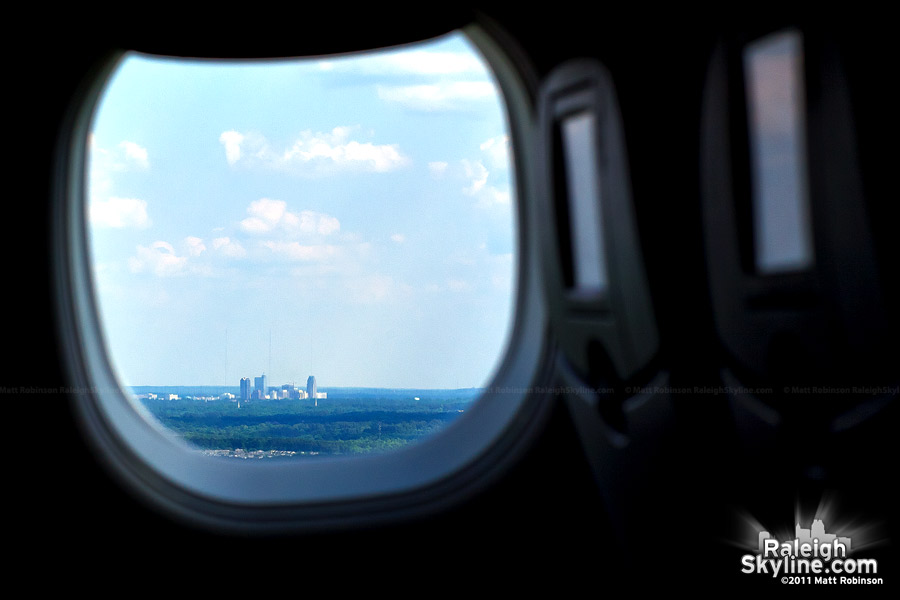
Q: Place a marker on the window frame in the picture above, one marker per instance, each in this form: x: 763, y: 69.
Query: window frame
x: 284, y: 494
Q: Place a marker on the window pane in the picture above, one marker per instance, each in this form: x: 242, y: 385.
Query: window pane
x: 348, y: 220
x: 585, y: 221
x: 775, y: 98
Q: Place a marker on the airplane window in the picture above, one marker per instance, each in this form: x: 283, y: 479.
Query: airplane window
x: 773, y: 68
x: 308, y: 257
x: 579, y: 143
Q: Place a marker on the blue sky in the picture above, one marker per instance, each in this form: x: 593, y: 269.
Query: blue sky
x: 354, y: 210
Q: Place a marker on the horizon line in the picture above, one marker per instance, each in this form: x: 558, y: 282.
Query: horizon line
x: 361, y: 387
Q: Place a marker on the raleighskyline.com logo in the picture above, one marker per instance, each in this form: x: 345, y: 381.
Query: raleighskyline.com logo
x: 812, y: 557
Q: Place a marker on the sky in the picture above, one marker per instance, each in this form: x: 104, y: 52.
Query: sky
x: 345, y: 217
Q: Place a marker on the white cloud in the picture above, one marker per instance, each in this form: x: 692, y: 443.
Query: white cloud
x: 126, y: 156
x: 336, y: 150
x: 255, y: 225
x: 398, y: 238
x: 268, y: 215
x: 104, y: 163
x: 105, y: 211
x: 195, y: 245
x: 477, y: 175
x: 296, y: 251
x: 135, y: 154
x: 232, y: 141
x: 314, y: 153
x: 268, y: 211
x: 445, y: 95
x: 119, y: 213
x: 100, y: 176
x: 159, y: 258
x: 228, y: 247
x: 437, y: 168
x: 492, y: 196
x: 322, y: 224
x: 497, y: 150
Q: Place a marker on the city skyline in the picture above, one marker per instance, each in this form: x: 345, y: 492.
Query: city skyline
x: 261, y: 390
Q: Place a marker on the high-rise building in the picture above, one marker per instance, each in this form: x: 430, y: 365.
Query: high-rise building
x: 311, y: 387
x: 245, y: 388
x: 260, y: 385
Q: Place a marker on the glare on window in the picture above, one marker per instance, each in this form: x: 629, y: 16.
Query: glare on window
x: 773, y: 68
x: 585, y: 217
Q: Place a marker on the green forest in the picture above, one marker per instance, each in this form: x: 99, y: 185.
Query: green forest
x: 348, y: 422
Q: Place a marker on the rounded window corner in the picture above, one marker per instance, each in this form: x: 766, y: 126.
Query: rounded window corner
x: 281, y: 495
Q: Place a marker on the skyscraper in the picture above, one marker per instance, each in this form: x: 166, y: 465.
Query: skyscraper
x: 311, y: 387
x: 260, y: 386
x: 245, y: 388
